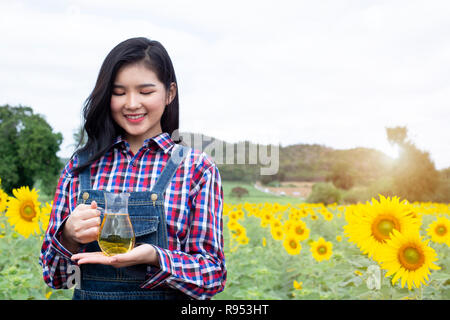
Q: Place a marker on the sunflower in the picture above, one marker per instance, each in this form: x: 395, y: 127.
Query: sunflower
x: 370, y: 226
x: 240, y: 214
x: 321, y: 249
x: 297, y: 285
x: 48, y: 294
x: 407, y: 257
x: 251, y: 212
x: 439, y: 231
x: 276, y: 207
x: 233, y: 215
x: 264, y: 223
x: 257, y: 212
x: 292, y: 245
x: 45, y: 215
x: 415, y: 213
x: 226, y: 209
x: 277, y: 233
x: 3, y: 198
x: 328, y: 216
x: 232, y: 224
x: 275, y: 223
x: 239, y: 231
x: 294, y: 214
x: 24, y: 211
x: 266, y: 218
x: 243, y: 239
x: 2, y: 230
x: 304, y: 213
x: 354, y: 212
x: 288, y: 224
x: 300, y: 230
x: 358, y: 273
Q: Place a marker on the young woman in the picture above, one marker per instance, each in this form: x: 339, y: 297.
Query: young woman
x: 176, y: 196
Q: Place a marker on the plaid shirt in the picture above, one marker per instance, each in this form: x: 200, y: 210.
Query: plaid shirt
x: 194, y: 261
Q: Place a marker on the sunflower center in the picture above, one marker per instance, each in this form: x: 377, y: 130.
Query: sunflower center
x: 383, y: 226
x: 299, y: 230
x: 441, y: 230
x: 411, y: 258
x: 293, y: 244
x: 322, y: 250
x: 27, y: 212
x: 411, y: 255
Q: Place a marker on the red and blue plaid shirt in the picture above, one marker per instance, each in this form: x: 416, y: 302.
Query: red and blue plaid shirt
x: 194, y: 261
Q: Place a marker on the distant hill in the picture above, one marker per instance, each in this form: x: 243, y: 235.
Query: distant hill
x: 299, y: 162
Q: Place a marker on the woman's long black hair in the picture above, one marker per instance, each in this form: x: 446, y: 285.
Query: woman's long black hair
x: 99, y: 125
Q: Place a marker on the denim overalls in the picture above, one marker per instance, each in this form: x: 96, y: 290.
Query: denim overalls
x: 147, y: 215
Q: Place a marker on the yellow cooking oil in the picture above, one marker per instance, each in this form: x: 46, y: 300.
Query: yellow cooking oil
x: 116, y: 234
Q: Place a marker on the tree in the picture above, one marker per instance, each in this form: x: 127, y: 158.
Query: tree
x: 397, y: 135
x: 445, y: 174
x: 342, y: 175
x: 324, y: 192
x: 239, y: 192
x: 28, y: 150
x: 414, y: 174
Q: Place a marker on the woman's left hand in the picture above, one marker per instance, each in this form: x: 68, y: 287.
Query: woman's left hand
x: 143, y: 254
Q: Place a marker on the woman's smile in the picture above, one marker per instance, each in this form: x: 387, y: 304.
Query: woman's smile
x: 135, y: 118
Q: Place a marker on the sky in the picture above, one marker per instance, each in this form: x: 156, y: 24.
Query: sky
x: 335, y: 73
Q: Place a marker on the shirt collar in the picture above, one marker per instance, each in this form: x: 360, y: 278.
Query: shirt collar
x: 161, y: 141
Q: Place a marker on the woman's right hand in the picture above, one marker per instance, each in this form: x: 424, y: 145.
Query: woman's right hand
x: 82, y: 226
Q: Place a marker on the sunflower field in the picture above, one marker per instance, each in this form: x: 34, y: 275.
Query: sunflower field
x: 384, y: 249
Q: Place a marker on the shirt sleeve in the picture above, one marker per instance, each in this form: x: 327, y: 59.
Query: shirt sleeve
x: 199, y: 271
x: 54, y: 257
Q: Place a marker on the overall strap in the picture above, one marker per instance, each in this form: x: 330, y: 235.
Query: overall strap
x: 178, y: 154
x: 85, y: 175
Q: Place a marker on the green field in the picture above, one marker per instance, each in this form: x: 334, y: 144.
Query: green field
x: 254, y: 195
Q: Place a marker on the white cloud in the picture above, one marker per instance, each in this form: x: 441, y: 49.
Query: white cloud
x: 329, y: 72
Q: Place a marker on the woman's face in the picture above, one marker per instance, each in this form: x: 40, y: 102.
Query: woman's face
x: 138, y: 102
